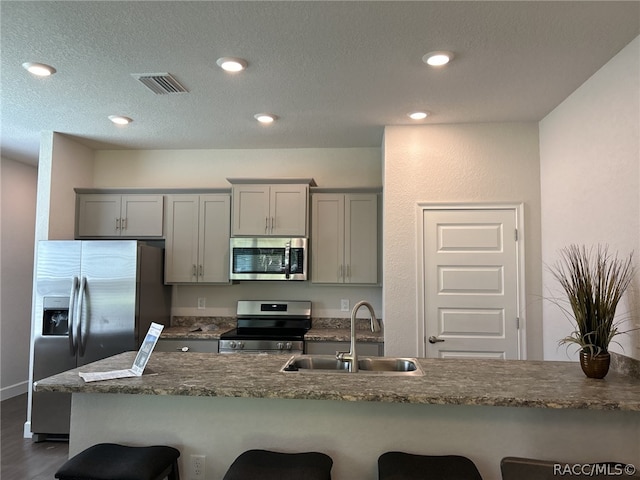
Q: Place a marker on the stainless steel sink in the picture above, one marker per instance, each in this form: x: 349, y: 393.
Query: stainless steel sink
x: 366, y: 365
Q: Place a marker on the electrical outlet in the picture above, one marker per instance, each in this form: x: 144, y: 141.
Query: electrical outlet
x: 198, y: 463
x: 202, y: 303
x: 344, y: 305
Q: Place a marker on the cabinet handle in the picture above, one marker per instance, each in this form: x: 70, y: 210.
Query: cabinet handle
x: 348, y: 271
x: 273, y: 222
x: 266, y: 225
x: 339, y: 272
x: 123, y: 223
x: 195, y: 272
x: 117, y: 224
x: 201, y: 271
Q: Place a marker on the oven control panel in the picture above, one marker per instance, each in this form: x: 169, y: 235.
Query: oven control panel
x: 260, y: 346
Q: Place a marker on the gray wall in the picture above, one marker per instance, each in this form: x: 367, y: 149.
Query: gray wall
x: 17, y: 225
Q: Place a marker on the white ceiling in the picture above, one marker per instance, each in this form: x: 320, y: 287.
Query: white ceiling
x: 334, y: 72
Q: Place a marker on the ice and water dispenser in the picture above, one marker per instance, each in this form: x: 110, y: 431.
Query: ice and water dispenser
x: 55, y: 319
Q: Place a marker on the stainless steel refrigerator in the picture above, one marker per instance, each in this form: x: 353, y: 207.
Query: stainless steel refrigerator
x: 93, y: 299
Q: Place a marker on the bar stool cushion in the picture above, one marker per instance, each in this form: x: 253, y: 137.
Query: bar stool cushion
x: 267, y: 465
x: 110, y: 461
x: 407, y: 466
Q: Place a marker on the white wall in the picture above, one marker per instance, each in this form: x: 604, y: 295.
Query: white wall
x: 63, y: 165
x: 18, y: 212
x: 454, y: 163
x: 590, y: 181
x: 329, y: 167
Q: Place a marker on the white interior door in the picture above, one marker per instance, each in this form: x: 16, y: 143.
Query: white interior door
x: 471, y: 280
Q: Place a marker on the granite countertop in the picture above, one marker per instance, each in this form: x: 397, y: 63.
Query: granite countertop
x: 342, y: 335
x: 315, y: 334
x: 512, y: 383
x: 323, y: 330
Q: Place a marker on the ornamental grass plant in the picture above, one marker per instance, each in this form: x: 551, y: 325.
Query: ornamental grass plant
x: 594, y: 281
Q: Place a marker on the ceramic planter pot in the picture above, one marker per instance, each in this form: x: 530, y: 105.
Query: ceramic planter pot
x: 595, y: 366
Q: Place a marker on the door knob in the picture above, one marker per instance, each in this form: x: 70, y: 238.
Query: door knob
x: 433, y: 339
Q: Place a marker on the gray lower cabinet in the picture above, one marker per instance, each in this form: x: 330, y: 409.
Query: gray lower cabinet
x: 367, y: 349
x: 198, y: 346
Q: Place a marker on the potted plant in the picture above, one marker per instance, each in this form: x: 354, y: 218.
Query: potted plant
x: 594, y: 282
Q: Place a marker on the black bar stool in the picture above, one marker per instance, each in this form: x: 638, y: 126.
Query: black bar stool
x: 407, y: 466
x: 109, y: 461
x: 267, y: 465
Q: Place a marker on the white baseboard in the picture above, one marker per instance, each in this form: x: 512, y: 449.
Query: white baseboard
x: 14, y: 390
x: 27, y: 430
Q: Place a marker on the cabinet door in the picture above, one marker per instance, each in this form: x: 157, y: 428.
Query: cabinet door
x: 288, y: 210
x: 361, y: 238
x: 181, y: 243
x: 141, y: 216
x: 98, y: 215
x: 213, y: 262
x: 327, y: 238
x: 251, y: 210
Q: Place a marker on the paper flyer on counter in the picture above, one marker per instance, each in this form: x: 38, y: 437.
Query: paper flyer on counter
x: 139, y: 363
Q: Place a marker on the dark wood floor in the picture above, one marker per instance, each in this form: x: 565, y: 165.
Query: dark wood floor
x: 21, y: 458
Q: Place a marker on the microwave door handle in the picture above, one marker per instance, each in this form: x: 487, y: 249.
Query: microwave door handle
x: 287, y: 260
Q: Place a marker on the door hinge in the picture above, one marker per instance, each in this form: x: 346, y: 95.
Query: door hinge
x: 517, y: 323
x: 516, y: 235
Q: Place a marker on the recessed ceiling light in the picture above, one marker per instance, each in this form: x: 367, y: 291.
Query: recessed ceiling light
x: 39, y: 69
x: 265, y: 117
x: 437, y: 59
x: 232, y: 64
x: 120, y: 120
x: 418, y: 115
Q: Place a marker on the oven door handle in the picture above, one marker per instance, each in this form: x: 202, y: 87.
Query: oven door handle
x: 287, y: 260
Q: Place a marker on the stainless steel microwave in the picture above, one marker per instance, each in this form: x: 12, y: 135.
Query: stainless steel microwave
x: 268, y: 258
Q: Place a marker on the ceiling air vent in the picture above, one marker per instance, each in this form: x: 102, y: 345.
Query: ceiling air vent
x: 160, y: 83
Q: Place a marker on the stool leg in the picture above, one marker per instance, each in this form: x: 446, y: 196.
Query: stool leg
x: 174, y: 474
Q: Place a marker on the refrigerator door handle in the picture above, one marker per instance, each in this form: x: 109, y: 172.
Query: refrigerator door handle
x: 73, y: 346
x: 80, y: 341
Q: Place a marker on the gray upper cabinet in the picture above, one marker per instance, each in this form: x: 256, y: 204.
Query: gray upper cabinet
x: 197, y: 238
x: 119, y: 216
x: 344, y: 238
x: 278, y: 210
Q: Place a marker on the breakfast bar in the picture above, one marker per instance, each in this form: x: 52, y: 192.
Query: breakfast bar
x: 220, y: 405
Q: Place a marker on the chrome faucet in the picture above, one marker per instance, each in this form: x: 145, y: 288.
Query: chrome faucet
x: 351, y: 356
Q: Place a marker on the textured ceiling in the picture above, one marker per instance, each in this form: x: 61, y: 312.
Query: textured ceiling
x: 334, y: 72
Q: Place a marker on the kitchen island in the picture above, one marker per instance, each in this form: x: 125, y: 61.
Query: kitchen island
x: 221, y: 405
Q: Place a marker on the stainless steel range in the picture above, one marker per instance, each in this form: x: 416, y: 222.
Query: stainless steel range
x: 268, y: 327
